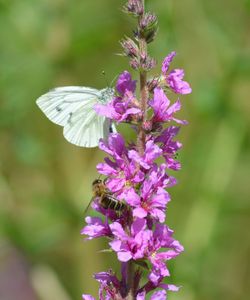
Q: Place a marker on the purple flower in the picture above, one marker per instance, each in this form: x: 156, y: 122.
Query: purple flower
x: 87, y: 297
x: 175, y: 77
x: 121, y: 171
x: 125, y: 83
x: 108, y: 278
x: 109, y: 287
x: 163, y: 112
x: 159, y: 177
x: 158, y: 295
x: 96, y: 228
x: 115, y: 146
x: 161, y: 238
x: 167, y: 61
x: 130, y: 246
x: 152, y: 151
x: 137, y: 233
x: 152, y: 198
x: 120, y: 109
x: 176, y: 83
x: 124, y: 107
x: 170, y: 147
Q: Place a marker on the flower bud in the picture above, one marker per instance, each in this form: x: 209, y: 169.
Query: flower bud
x: 134, y: 63
x: 152, y: 84
x: 148, y: 26
x: 147, y: 63
x: 130, y: 48
x: 134, y: 7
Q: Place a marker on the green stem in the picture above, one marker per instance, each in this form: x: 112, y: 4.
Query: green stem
x: 141, y: 140
x: 130, y: 281
x: 143, y: 93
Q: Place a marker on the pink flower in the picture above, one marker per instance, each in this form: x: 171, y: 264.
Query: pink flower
x: 151, y: 199
x: 152, y: 151
x: 170, y: 147
x: 124, y: 107
x: 163, y: 111
x: 109, y: 287
x: 95, y: 228
x: 119, y: 109
x: 125, y: 83
x: 161, y: 238
x: 87, y: 297
x: 130, y: 246
x: 175, y: 77
x: 149, y: 204
x: 134, y: 177
x: 122, y: 172
x: 158, y: 295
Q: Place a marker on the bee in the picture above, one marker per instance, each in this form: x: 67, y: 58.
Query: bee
x: 105, y: 197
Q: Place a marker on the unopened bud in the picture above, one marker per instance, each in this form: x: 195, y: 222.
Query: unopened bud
x: 143, y: 56
x: 130, y: 48
x: 149, y: 20
x: 148, y: 27
x: 134, y: 7
x: 147, y: 63
x: 134, y: 63
x: 152, y: 84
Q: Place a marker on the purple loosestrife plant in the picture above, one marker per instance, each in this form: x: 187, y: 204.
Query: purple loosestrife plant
x: 137, y: 233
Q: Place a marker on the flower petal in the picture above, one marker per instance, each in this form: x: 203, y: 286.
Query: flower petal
x: 167, y: 61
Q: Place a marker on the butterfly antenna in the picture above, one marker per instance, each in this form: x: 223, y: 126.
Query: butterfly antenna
x: 112, y: 82
x: 107, y: 82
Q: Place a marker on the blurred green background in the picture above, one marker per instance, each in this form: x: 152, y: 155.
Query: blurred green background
x: 45, y: 182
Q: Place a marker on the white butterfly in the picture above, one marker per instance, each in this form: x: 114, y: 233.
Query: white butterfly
x: 73, y: 108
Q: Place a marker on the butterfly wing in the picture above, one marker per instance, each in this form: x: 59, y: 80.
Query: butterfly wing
x: 59, y: 103
x: 73, y: 108
x: 85, y: 128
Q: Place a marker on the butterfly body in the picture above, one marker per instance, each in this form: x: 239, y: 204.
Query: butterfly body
x: 73, y: 108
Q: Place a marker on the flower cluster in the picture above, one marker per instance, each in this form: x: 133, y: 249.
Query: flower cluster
x: 124, y: 107
x: 138, y: 232
x: 137, y: 175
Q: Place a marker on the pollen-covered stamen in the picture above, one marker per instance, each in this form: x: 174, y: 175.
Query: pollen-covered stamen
x: 128, y: 183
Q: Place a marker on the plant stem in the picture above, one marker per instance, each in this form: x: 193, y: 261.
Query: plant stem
x: 130, y: 281
x: 141, y: 140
